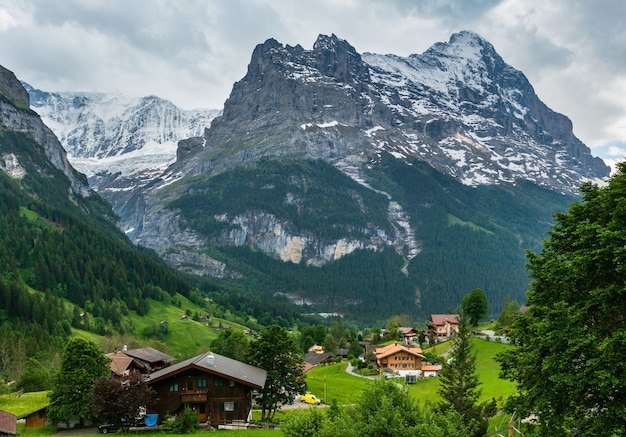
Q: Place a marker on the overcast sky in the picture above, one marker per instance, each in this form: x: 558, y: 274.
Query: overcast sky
x: 192, y: 51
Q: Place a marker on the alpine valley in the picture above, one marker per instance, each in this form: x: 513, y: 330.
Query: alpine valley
x: 362, y: 184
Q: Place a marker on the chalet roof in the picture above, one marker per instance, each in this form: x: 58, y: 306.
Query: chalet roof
x: 120, y: 362
x: 441, y: 319
x: 221, y: 365
x: 8, y: 423
x: 149, y: 355
x: 429, y: 367
x: 392, y: 349
x: 314, y: 358
x: 407, y: 329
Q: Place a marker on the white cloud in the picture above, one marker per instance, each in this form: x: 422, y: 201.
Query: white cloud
x: 192, y: 51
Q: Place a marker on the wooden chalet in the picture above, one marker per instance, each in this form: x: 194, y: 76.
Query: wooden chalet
x: 36, y: 419
x: 150, y: 358
x: 400, y: 359
x: 217, y: 388
x: 443, y: 326
x: 122, y: 364
x: 408, y: 333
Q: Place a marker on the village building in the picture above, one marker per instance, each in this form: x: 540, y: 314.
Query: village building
x: 399, y: 359
x: 37, y: 418
x: 408, y: 333
x: 431, y: 370
x: 150, y: 358
x: 123, y: 365
x: 443, y: 326
x: 217, y: 388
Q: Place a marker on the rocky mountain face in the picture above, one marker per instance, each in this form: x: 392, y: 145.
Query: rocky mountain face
x: 15, y: 115
x: 324, y: 153
x: 458, y: 106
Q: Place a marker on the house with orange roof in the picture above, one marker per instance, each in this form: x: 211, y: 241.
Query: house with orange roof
x: 408, y: 333
x: 443, y: 326
x: 122, y: 365
x: 431, y: 370
x: 399, y: 359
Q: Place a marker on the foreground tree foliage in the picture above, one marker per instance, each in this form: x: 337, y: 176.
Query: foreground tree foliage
x: 277, y: 352
x: 82, y: 363
x: 117, y: 400
x: 460, y: 386
x: 383, y: 409
x: 570, y: 365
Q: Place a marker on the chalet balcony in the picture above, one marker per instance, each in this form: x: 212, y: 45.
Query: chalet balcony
x: 193, y: 396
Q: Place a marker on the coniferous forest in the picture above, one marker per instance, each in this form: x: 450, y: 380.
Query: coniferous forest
x: 55, y: 252
x: 469, y: 236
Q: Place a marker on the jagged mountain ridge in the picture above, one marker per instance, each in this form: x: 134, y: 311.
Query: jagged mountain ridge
x: 458, y: 106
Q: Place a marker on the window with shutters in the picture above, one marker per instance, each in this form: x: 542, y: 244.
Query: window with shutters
x: 229, y: 406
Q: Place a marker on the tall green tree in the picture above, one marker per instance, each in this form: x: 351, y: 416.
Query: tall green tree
x: 460, y: 386
x: 81, y: 364
x: 231, y: 343
x: 475, y: 306
x: 277, y: 352
x: 569, y: 365
x: 35, y: 377
x: 510, y: 310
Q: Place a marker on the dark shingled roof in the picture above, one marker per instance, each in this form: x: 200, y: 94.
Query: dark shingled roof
x: 222, y: 366
x: 8, y: 423
x: 149, y: 355
x: 315, y: 358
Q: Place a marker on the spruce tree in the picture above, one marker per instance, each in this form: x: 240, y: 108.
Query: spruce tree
x: 460, y: 385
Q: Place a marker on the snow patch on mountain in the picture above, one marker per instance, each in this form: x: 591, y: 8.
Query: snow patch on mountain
x: 152, y: 156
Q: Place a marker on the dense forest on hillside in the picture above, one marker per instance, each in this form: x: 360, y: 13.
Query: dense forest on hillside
x: 470, y: 237
x: 55, y: 252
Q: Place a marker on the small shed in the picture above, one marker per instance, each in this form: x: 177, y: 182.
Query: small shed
x: 8, y: 423
x: 430, y: 370
x: 36, y: 418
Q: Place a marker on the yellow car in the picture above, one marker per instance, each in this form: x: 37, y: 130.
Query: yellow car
x: 310, y: 399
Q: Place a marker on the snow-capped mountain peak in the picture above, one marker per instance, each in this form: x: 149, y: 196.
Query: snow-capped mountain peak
x: 117, y: 134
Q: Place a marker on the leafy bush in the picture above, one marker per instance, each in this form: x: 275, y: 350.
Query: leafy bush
x: 185, y: 423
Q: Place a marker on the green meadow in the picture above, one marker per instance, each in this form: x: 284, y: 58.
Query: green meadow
x: 345, y: 388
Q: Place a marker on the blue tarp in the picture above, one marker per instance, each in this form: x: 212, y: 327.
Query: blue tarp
x: 151, y: 419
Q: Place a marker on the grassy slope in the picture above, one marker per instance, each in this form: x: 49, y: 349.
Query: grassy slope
x: 186, y: 338
x: 24, y: 404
